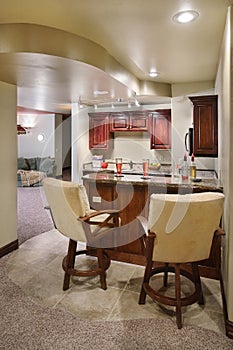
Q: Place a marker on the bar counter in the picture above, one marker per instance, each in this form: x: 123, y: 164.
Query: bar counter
x: 131, y: 195
x: 173, y: 185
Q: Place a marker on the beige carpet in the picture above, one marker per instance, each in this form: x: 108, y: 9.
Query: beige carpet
x: 24, y: 324
x: 33, y: 219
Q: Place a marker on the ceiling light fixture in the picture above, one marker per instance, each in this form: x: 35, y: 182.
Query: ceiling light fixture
x: 100, y: 92
x: 21, y: 130
x: 185, y: 16
x: 153, y: 73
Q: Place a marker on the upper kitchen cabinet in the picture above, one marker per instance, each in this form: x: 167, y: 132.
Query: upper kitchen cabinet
x: 205, y: 125
x: 160, y: 129
x: 129, y: 121
x: 99, y: 131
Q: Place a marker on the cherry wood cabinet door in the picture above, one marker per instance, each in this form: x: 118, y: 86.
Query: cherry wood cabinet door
x: 99, y: 131
x: 160, y: 129
x: 139, y: 121
x: 119, y: 122
x: 129, y: 121
x: 205, y: 125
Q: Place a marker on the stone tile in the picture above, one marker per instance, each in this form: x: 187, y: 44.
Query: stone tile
x: 25, y: 257
x: 51, y: 241
x: 202, y: 317
x: 90, y: 302
x: 210, y: 286
x: 127, y: 307
x: 119, y: 274
x: 55, y: 266
x: 37, y: 268
x: 45, y: 287
x: 135, y: 281
x: 213, y: 302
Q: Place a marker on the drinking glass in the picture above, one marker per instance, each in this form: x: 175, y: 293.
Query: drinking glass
x: 145, y: 167
x: 118, y: 166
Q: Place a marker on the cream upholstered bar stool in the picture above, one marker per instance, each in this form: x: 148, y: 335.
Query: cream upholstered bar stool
x: 72, y: 216
x: 180, y: 230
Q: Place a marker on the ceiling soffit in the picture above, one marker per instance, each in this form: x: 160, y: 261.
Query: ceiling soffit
x: 29, y: 38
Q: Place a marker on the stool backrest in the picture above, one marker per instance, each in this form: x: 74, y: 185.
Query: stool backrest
x: 67, y: 201
x: 184, y: 225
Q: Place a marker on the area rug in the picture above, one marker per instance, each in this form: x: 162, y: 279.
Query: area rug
x: 24, y: 324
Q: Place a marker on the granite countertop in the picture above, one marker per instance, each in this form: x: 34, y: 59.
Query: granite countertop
x: 207, y: 184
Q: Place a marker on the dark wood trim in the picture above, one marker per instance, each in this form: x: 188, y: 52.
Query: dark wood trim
x: 9, y: 248
x: 229, y: 329
x: 228, y: 324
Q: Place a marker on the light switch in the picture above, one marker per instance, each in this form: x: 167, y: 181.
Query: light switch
x: 96, y: 199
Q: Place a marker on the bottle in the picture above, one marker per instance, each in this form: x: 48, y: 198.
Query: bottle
x: 176, y: 174
x: 193, y: 167
x: 185, y: 169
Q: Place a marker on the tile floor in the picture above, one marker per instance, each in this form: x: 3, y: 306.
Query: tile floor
x: 36, y: 268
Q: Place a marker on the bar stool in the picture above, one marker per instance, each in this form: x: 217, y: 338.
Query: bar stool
x: 180, y: 230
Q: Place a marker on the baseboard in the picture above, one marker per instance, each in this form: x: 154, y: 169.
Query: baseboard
x: 9, y: 248
x: 228, y: 323
x: 229, y: 329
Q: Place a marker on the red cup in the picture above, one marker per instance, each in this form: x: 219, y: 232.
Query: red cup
x: 145, y: 167
x: 118, y: 166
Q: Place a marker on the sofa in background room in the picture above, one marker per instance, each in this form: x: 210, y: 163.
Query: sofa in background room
x: 31, y: 171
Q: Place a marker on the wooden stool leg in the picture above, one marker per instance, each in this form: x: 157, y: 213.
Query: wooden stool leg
x: 70, y: 260
x: 197, y: 282
x: 146, y: 279
x: 165, y: 276
x: 149, y: 266
x: 100, y: 255
x: 178, y: 296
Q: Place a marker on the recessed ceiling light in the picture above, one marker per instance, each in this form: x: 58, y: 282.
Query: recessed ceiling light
x: 153, y: 74
x: 100, y: 92
x: 185, y: 16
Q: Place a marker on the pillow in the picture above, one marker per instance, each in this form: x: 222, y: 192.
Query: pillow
x: 23, y: 164
x: 46, y: 165
x: 32, y: 163
x: 39, y: 160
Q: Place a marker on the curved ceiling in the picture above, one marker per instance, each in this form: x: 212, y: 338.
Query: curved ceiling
x: 121, y: 41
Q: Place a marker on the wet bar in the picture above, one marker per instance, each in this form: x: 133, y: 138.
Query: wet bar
x: 131, y: 194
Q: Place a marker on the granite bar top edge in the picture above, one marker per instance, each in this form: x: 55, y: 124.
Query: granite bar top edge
x: 168, y: 182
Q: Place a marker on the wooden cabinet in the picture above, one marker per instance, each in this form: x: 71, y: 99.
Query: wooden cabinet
x: 99, y: 131
x: 160, y: 129
x: 129, y: 121
x: 205, y: 125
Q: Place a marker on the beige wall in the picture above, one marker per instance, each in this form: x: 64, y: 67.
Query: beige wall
x: 8, y: 156
x: 225, y: 91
